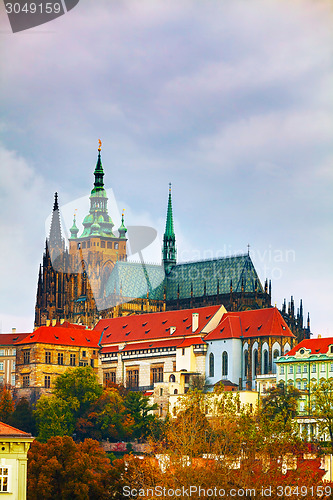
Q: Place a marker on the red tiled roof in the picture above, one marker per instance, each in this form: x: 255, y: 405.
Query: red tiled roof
x: 316, y: 346
x: 254, y: 323
x: 62, y: 336
x: 11, y: 338
x: 153, y: 325
x: 152, y: 345
x: 67, y: 324
x: 191, y: 341
x: 111, y: 348
x: 8, y: 430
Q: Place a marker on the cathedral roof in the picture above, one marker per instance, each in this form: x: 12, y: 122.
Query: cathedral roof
x: 253, y: 323
x: 61, y: 336
x: 153, y: 326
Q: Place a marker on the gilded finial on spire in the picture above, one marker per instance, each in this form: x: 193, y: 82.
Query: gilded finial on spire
x: 99, y: 145
x: 169, y: 187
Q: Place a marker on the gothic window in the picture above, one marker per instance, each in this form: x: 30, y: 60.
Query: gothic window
x: 246, y: 364
x: 211, y: 365
x: 224, y: 364
x: 276, y: 354
x: 255, y: 363
x: 47, y: 381
x: 265, y: 362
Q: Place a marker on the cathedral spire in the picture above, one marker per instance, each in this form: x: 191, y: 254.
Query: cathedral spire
x: 55, y: 238
x: 169, y: 238
x: 99, y: 172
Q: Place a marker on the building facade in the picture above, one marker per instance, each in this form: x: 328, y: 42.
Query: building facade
x: 8, y: 357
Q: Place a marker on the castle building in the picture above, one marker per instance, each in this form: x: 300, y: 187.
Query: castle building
x: 91, y: 278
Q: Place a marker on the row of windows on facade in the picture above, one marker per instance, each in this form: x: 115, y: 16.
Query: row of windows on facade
x: 2, y: 365
x: 8, y: 352
x: 276, y: 354
x: 291, y: 369
x: 132, y: 376
x: 61, y: 358
x: 104, y: 244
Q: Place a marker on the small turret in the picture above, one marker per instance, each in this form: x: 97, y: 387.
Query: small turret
x: 122, y: 230
x: 74, y: 229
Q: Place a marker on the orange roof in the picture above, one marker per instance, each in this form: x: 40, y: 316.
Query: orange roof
x: 153, y: 325
x: 316, y: 346
x: 62, y: 336
x: 191, y: 341
x: 9, y: 431
x: 254, y: 323
x: 11, y: 338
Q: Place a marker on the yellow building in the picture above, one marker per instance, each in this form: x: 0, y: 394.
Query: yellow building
x: 14, y: 446
x: 8, y: 356
x: 48, y: 352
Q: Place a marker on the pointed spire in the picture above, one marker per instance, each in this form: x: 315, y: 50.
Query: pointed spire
x: 169, y: 238
x: 99, y: 172
x: 55, y: 238
x: 74, y: 229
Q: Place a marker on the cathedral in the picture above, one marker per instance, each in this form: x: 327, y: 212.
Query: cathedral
x: 89, y: 277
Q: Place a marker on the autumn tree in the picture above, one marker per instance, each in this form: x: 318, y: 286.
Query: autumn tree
x: 23, y: 417
x: 67, y: 470
x: 6, y: 404
x: 280, y: 404
x: 322, y: 408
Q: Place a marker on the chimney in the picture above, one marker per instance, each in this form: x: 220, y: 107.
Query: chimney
x: 172, y: 329
x: 48, y: 321
x: 54, y: 321
x: 13, y: 330
x: 62, y: 321
x: 195, y: 321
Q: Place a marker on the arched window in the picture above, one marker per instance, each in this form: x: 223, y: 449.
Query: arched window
x: 276, y: 354
x: 224, y: 364
x: 255, y: 363
x: 211, y: 365
x: 175, y: 391
x: 172, y: 378
x: 246, y: 364
x: 265, y: 362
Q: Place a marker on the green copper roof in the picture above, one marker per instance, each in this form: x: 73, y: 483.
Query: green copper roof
x: 201, y: 277
x: 98, y: 222
x: 169, y: 251
x: 122, y: 230
x: 74, y: 229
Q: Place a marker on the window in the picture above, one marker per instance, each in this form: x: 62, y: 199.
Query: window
x: 183, y: 351
x: 305, y: 369
x: 116, y: 246
x: 157, y: 374
x: 322, y: 368
x: 1, y: 365
x: 133, y: 378
x: 13, y: 365
x: 331, y: 368
x: 60, y: 358
x: 281, y: 370
x: 211, y: 365
x: 299, y: 368
x: 291, y: 369
x: 4, y: 479
x: 26, y: 381
x: 305, y: 385
x: 84, y: 354
x: 256, y: 363
x: 314, y: 369
x: 48, y: 357
x: 47, y: 381
x: 2, y: 352
x: 265, y: 362
x: 172, y: 378
x: 109, y: 244
x: 299, y: 386
x: 26, y: 357
x: 161, y: 392
x: 331, y: 349
x: 224, y: 364
x: 102, y: 244
x: 110, y: 377
x: 13, y: 379
x: 72, y: 359
x: 246, y: 364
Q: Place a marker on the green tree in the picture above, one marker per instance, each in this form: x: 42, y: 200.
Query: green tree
x: 140, y: 409
x: 67, y: 470
x: 54, y: 417
x: 322, y: 408
x: 79, y: 387
x: 23, y: 417
x: 6, y: 405
x: 280, y: 404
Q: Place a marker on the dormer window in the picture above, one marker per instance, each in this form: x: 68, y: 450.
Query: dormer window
x: 331, y: 349
x: 301, y: 351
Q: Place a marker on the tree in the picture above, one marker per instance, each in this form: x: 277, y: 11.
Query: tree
x: 23, y: 418
x: 54, y: 417
x: 139, y: 409
x: 79, y: 387
x: 322, y: 408
x: 67, y: 470
x: 280, y: 404
x: 6, y: 405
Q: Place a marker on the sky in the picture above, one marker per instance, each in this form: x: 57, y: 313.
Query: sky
x: 231, y: 102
